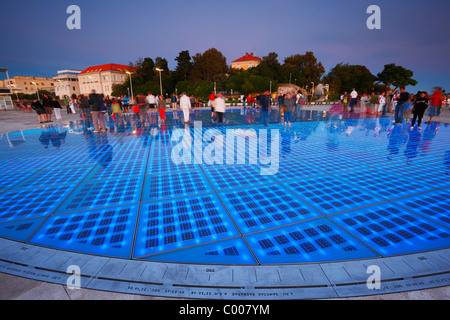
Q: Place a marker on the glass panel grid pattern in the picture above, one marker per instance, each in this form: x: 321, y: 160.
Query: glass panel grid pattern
x: 343, y: 189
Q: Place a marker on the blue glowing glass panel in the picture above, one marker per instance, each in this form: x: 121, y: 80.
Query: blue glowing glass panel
x: 224, y: 177
x: 31, y: 203
x: 106, y: 232
x: 20, y: 229
x: 259, y: 208
x: 175, y: 184
x: 331, y: 195
x: 434, y: 205
x: 115, y: 170
x: 311, y: 241
x: 390, y: 229
x: 55, y: 177
x: 177, y: 223
x: 98, y: 194
x: 232, y: 251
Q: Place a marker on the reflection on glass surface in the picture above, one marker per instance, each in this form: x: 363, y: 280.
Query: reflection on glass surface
x: 338, y: 175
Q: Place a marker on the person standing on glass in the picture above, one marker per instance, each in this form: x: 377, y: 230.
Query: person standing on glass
x: 162, y: 108
x: 420, y: 105
x: 185, y: 105
x: 435, y: 104
x: 400, y: 107
x: 264, y: 102
x: 57, y: 108
x: 174, y: 102
x: 212, y: 98
x: 219, y: 107
x: 353, y: 100
x: 289, y: 104
x: 96, y: 103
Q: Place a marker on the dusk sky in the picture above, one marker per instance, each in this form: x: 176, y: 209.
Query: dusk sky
x: 414, y: 34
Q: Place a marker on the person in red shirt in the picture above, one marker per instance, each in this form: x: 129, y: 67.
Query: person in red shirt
x: 435, y: 104
x: 212, y: 97
x: 249, y: 101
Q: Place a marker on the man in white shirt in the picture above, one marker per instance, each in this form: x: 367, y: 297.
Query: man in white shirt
x: 298, y: 101
x: 219, y: 107
x: 353, y: 101
x: 185, y: 105
x: 382, y: 104
x: 151, y: 100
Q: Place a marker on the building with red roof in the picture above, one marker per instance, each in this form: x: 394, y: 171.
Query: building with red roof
x: 102, y: 78
x: 246, y: 62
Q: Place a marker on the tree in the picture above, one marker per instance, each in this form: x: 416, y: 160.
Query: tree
x: 184, y: 66
x: 145, y: 70
x: 305, y: 67
x: 269, y: 67
x: 345, y: 77
x: 397, y: 76
x: 209, y: 65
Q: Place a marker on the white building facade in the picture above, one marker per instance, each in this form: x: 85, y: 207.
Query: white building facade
x: 67, y: 83
x: 102, y: 78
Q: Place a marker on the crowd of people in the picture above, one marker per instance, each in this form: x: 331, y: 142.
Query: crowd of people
x: 403, y: 105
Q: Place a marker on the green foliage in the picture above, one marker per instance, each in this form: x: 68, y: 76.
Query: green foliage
x: 209, y: 65
x: 396, y: 76
x: 184, y: 67
x: 345, y: 77
x: 203, y: 88
x: 305, y: 68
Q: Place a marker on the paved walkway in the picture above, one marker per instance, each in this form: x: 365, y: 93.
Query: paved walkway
x: 17, y: 288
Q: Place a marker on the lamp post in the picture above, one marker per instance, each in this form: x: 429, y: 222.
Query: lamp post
x: 131, y: 85
x: 160, y: 78
x: 37, y: 90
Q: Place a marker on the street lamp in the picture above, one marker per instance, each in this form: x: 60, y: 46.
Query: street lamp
x: 37, y: 90
x: 160, y: 78
x: 131, y: 85
x: 7, y: 76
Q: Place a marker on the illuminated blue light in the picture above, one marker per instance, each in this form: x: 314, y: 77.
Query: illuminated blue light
x: 326, y: 179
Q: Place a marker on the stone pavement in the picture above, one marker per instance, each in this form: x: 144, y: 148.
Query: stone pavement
x: 17, y: 288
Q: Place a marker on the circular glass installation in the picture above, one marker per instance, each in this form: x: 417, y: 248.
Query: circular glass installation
x: 240, y: 193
